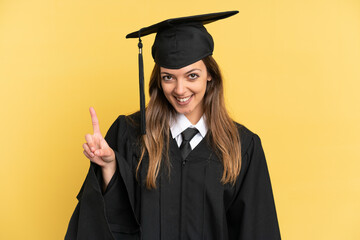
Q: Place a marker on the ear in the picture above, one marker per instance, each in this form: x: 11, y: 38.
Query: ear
x: 209, y: 78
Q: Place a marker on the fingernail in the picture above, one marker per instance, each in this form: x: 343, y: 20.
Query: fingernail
x: 92, y: 149
x: 92, y: 155
x: 97, y: 152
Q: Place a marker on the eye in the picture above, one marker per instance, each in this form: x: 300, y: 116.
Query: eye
x: 167, y: 77
x: 193, y: 76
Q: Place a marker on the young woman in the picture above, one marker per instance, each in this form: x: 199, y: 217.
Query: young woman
x: 195, y: 174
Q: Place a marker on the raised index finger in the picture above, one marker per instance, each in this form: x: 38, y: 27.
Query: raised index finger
x: 95, y: 121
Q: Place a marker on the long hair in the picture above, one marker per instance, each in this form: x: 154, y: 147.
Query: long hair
x: 222, y: 131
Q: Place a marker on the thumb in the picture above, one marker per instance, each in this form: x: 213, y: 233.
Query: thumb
x: 103, y: 152
x: 103, y: 143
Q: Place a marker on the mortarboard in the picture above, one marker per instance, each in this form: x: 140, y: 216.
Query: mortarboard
x: 178, y: 43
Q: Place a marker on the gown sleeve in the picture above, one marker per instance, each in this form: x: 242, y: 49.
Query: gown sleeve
x: 252, y: 214
x: 107, y: 215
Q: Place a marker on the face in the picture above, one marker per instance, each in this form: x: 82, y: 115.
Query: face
x: 185, y: 88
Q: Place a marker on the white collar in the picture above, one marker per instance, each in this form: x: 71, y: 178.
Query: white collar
x: 180, y: 122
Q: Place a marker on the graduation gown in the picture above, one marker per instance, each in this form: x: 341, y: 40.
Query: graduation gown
x: 190, y: 202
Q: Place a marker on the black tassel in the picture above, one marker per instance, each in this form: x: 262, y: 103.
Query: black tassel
x: 141, y: 85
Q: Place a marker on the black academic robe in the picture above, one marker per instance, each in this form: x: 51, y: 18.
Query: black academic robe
x: 189, y: 202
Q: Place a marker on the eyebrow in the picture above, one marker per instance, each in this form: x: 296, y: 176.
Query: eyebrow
x: 185, y: 73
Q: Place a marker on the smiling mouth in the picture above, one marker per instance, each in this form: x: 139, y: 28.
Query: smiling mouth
x: 183, y: 100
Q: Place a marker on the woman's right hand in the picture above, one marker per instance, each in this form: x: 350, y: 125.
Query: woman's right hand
x: 97, y: 149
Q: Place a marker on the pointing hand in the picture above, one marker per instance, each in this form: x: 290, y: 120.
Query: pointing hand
x: 96, y: 148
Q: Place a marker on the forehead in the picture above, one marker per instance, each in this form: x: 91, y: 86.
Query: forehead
x: 197, y: 65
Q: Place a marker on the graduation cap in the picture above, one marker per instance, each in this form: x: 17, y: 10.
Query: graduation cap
x: 179, y: 42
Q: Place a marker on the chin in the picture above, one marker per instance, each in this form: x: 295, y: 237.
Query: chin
x: 181, y: 111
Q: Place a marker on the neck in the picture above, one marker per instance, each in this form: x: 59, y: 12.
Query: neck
x: 194, y: 118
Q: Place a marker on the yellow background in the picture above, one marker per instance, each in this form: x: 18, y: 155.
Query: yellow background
x: 292, y: 71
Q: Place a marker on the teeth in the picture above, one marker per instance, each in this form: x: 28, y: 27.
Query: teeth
x: 183, y: 99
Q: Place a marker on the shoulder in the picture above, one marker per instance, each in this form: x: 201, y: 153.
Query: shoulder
x: 247, y: 138
x: 128, y: 122
x: 124, y: 127
x: 133, y: 122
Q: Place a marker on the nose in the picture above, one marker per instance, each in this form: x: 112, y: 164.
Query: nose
x: 180, y: 87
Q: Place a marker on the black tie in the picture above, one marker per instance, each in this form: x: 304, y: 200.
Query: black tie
x: 187, y: 135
